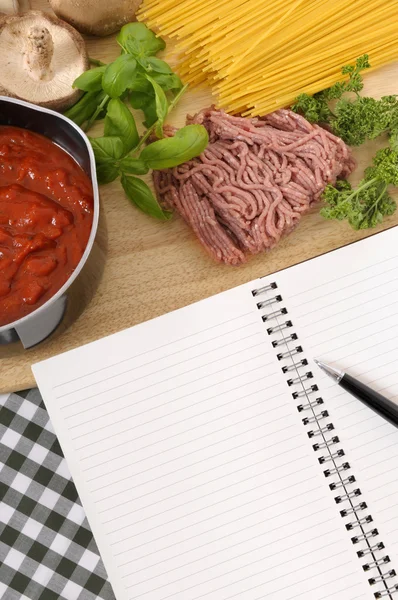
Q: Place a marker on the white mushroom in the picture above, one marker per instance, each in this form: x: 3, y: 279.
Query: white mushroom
x: 96, y: 17
x: 41, y: 56
x: 13, y: 7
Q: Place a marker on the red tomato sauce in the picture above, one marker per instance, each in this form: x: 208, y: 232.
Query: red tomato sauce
x: 46, y: 214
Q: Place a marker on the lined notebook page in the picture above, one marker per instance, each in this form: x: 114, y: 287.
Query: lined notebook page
x: 193, y: 465
x: 344, y: 307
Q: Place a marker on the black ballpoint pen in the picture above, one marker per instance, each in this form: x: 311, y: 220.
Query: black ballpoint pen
x: 381, y: 405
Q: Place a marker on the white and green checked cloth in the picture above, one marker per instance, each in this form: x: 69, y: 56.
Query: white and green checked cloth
x: 47, y: 551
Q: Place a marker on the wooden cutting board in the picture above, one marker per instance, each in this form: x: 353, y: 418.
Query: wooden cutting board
x: 154, y: 267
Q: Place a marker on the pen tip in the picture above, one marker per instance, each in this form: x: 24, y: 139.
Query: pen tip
x: 331, y: 371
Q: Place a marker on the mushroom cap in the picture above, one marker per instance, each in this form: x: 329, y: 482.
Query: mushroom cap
x: 96, y: 17
x: 66, y: 56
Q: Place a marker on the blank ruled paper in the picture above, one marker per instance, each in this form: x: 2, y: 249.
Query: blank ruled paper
x: 193, y: 465
x: 345, y: 309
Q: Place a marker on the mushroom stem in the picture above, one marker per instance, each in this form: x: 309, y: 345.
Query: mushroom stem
x: 39, y: 53
x: 13, y: 7
x: 9, y: 7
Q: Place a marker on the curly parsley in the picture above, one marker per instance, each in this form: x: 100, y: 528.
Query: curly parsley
x: 367, y: 204
x: 355, y: 120
x: 316, y: 108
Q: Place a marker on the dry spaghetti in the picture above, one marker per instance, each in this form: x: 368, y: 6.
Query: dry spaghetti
x: 258, y: 56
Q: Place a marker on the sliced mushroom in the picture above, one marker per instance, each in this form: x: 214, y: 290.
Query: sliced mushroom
x: 13, y: 7
x: 96, y: 17
x: 41, y: 56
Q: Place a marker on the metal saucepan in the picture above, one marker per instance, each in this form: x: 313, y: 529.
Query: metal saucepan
x: 68, y: 303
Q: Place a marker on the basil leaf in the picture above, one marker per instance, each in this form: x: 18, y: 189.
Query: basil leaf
x: 158, y: 65
x: 85, y: 107
x: 168, y: 81
x: 143, y: 62
x: 150, y: 113
x: 187, y: 143
x: 147, y: 103
x: 139, y: 100
x: 118, y: 75
x: 138, y: 40
x: 141, y: 195
x: 139, y: 83
x: 107, y: 148
x: 106, y: 172
x: 161, y: 104
x: 134, y: 48
x: 120, y: 122
x: 102, y: 114
x: 135, y: 166
x: 90, y: 81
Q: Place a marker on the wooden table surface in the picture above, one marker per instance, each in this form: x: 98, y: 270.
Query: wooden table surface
x: 154, y: 267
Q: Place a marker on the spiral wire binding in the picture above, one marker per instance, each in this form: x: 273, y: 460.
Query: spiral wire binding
x: 329, y: 454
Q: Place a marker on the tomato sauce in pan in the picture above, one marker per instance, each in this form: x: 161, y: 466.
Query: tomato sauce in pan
x: 46, y: 215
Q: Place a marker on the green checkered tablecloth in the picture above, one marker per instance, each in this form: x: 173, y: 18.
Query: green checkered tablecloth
x: 47, y: 551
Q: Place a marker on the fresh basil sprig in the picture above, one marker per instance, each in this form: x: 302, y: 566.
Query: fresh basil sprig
x: 187, y: 143
x: 161, y: 106
x: 82, y: 112
x: 148, y: 84
x: 139, y: 41
x: 133, y: 166
x: 140, y: 194
x: 107, y: 149
x: 118, y: 74
x: 106, y: 172
x: 90, y: 81
x: 120, y: 122
x: 113, y: 161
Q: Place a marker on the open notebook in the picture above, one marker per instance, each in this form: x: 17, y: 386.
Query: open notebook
x: 215, y: 461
